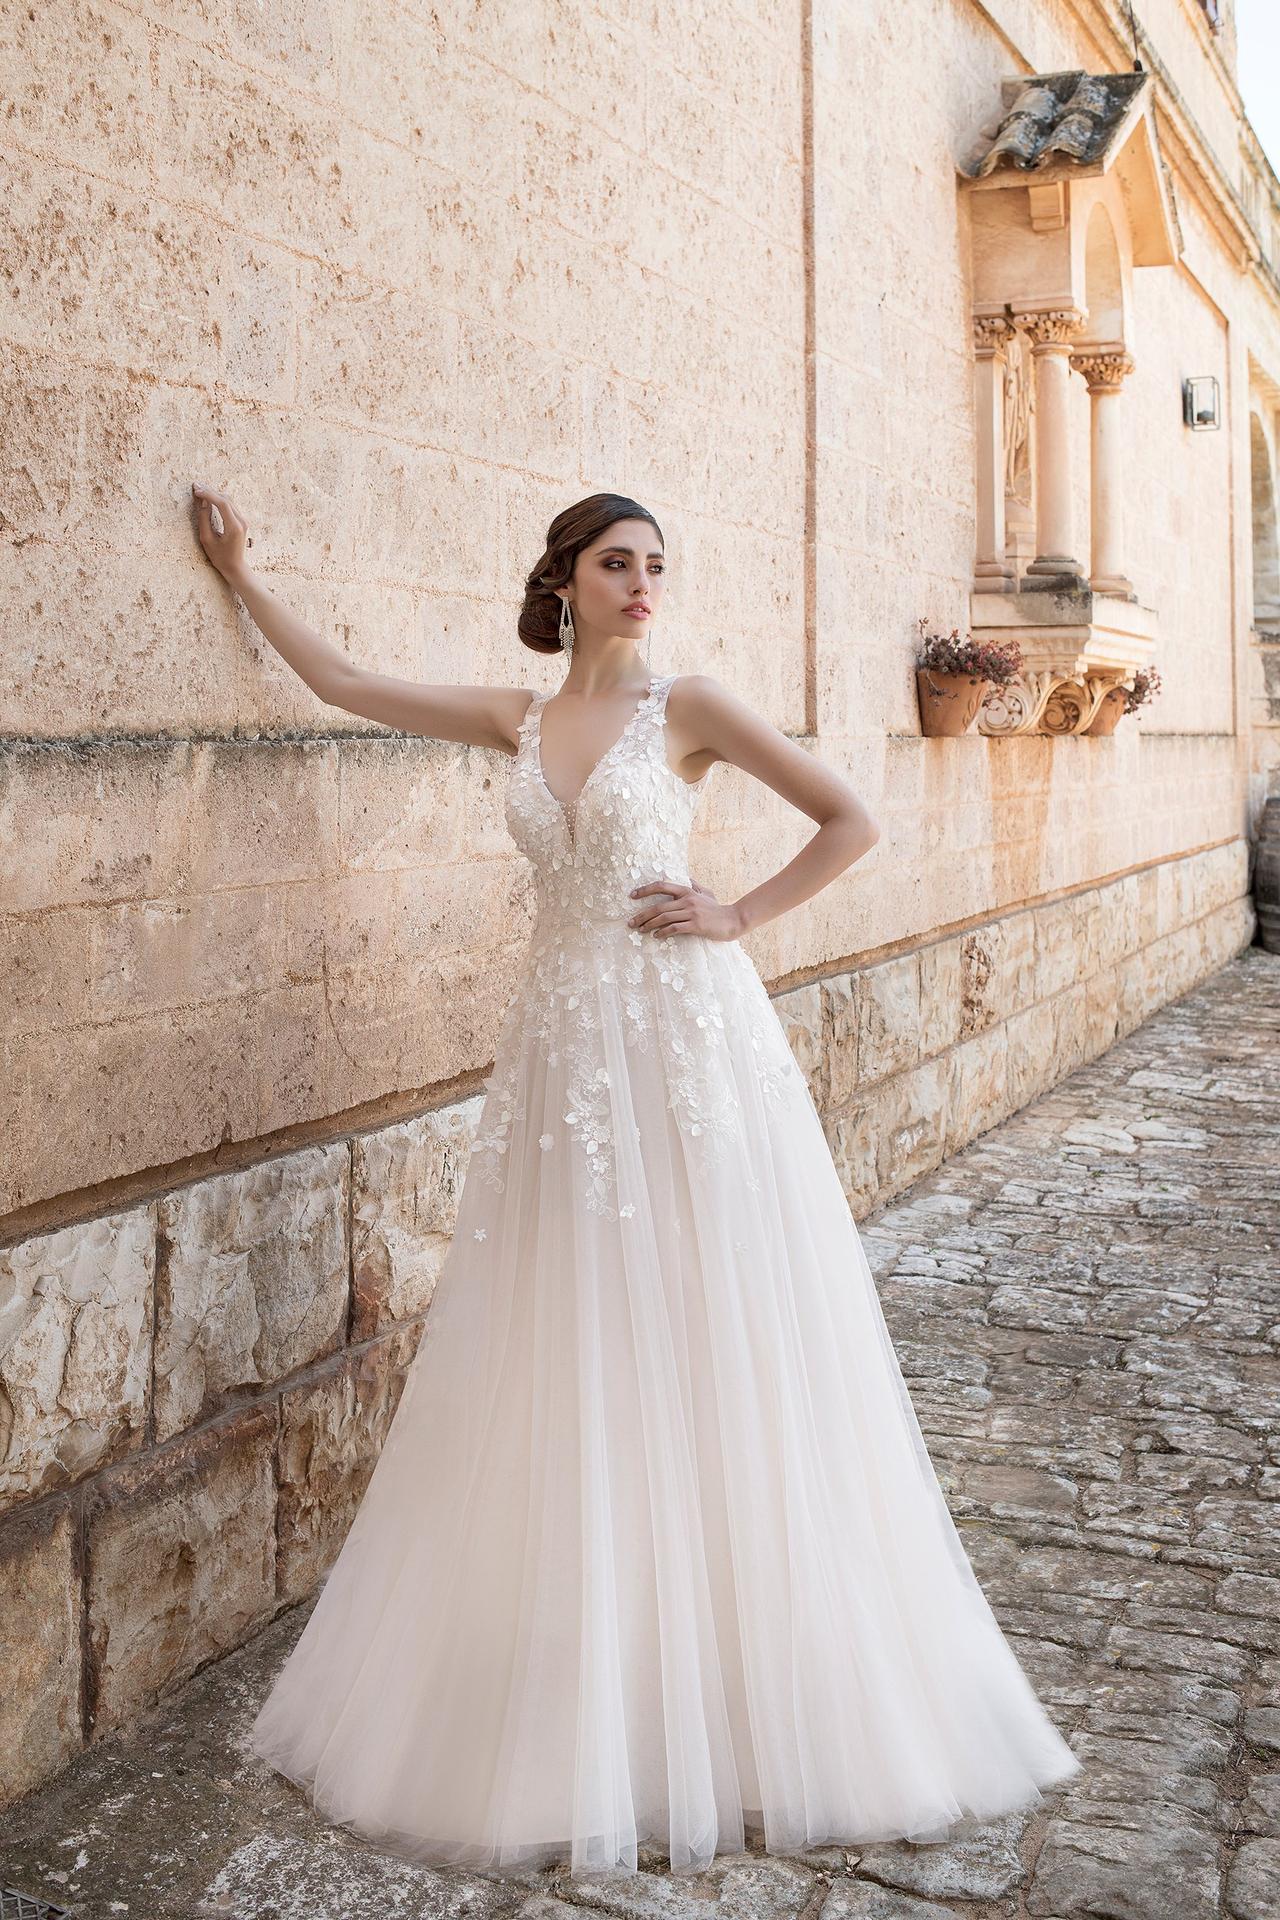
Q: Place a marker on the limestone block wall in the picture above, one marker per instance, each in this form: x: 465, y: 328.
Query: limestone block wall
x: 409, y: 282
x: 195, y: 1390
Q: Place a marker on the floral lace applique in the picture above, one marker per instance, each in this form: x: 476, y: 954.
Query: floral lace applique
x: 699, y: 1002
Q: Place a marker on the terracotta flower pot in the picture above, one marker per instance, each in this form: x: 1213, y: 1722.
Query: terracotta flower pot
x: 1109, y: 711
x: 948, y: 701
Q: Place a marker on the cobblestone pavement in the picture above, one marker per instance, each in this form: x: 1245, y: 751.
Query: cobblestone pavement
x: 1087, y: 1306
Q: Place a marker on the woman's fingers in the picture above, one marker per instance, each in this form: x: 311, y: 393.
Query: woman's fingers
x: 221, y: 544
x: 230, y: 512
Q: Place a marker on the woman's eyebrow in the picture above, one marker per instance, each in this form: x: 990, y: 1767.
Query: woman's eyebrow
x: 656, y: 555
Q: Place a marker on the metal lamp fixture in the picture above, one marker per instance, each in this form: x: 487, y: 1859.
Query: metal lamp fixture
x: 1200, y: 409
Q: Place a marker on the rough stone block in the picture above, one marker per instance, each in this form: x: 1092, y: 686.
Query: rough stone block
x: 1030, y: 1064
x: 39, y: 1647
x: 800, y: 1012
x: 941, y: 995
x: 977, y: 1086
x: 75, y: 1350
x: 252, y: 1281
x: 181, y: 1561
x: 1101, y: 1011
x: 331, y: 1434
x: 841, y: 1019
x: 1057, y: 963
x: 406, y: 1181
x: 852, y: 1141
x: 908, y: 1124
x: 888, y: 998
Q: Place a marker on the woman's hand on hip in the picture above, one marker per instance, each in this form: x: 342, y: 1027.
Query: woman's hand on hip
x: 685, y: 908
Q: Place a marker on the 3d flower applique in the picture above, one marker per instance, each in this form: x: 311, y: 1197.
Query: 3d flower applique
x: 590, y: 978
x: 481, y: 1232
x: 627, y: 1210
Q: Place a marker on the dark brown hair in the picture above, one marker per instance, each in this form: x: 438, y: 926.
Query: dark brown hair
x: 572, y: 530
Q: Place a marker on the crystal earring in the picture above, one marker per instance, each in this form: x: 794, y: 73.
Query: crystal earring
x: 566, y: 629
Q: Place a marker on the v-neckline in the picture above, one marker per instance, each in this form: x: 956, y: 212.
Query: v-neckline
x: 569, y: 808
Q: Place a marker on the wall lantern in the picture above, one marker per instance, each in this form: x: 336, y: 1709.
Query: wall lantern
x: 1200, y: 402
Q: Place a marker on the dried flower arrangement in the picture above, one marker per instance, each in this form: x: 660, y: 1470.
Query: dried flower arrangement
x: 953, y: 674
x: 1146, y: 685
x: 976, y: 659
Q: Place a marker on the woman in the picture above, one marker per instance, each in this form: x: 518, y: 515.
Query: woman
x: 654, y: 1549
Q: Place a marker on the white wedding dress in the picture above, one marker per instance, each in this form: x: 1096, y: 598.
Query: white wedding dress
x: 654, y: 1544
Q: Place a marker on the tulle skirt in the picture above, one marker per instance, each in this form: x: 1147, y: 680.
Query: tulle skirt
x: 654, y: 1550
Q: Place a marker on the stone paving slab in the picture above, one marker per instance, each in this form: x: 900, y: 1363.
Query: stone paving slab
x: 1086, y: 1301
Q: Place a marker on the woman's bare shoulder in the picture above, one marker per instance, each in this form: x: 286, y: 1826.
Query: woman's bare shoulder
x: 700, y: 700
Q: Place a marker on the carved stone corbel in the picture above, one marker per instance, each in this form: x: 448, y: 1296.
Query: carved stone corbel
x: 1016, y: 707
x: 1075, y: 646
x: 1073, y: 703
x: 1042, y: 701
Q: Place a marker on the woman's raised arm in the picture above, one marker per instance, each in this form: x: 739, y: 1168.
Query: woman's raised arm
x: 477, y: 716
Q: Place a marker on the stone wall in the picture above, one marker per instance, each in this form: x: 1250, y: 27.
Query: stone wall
x: 407, y: 286
x: 407, y: 294
x: 195, y: 1390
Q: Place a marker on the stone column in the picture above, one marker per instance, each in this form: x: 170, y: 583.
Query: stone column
x: 992, y: 573
x: 1105, y: 368
x: 1051, y: 334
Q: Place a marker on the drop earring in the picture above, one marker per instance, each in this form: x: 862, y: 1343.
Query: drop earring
x: 566, y: 630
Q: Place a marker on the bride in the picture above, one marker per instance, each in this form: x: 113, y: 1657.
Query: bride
x: 654, y: 1551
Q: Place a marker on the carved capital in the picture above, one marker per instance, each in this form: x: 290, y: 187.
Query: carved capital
x: 991, y: 332
x: 1103, y: 367
x: 1052, y: 328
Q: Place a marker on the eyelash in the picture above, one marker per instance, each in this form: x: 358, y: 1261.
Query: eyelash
x: 661, y: 566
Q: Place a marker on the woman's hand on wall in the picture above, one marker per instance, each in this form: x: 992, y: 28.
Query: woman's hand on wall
x: 225, y: 550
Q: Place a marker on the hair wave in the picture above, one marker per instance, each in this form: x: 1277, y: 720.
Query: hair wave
x: 572, y: 529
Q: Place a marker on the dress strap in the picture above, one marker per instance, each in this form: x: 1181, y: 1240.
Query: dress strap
x: 532, y: 712
x: 652, y: 708
x: 656, y: 700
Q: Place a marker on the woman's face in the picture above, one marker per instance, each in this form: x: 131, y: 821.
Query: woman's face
x: 623, y: 566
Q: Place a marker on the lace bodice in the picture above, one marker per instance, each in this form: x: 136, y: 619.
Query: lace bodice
x: 630, y: 822
x: 696, y: 999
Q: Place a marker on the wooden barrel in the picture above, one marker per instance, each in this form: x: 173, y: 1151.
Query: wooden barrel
x: 1266, y: 876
